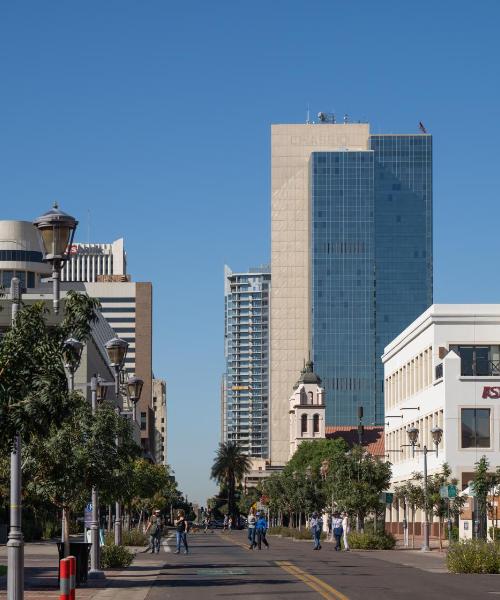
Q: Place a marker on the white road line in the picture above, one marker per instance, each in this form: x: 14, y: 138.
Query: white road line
x: 165, y: 544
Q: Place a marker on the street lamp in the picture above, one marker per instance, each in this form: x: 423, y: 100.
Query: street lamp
x: 72, y: 354
x: 116, y: 349
x: 437, y: 434
x: 57, y: 230
x: 134, y: 387
x: 101, y: 390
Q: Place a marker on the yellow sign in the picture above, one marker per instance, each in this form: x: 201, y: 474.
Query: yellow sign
x: 239, y: 388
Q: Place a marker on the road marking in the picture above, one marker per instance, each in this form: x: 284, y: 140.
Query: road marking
x: 327, y: 591
x: 233, y: 541
x: 165, y: 544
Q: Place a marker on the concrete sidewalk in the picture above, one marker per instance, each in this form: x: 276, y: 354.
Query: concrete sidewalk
x: 41, y: 570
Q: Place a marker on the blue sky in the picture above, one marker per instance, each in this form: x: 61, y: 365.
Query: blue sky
x: 151, y: 121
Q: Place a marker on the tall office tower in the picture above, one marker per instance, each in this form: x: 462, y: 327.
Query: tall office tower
x: 245, y: 391
x: 351, y: 261
x: 160, y: 413
x: 96, y: 262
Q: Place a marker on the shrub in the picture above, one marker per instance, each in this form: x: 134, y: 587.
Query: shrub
x: 115, y: 557
x: 371, y: 541
x: 303, y: 534
x: 3, y: 570
x: 135, y: 537
x: 474, y: 556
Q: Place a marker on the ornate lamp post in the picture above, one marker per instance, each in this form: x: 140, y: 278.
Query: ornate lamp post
x: 134, y: 387
x: 72, y: 354
x: 437, y: 434
x: 57, y: 230
x: 117, y: 351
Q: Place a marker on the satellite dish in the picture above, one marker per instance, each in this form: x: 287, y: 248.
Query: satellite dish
x: 322, y: 116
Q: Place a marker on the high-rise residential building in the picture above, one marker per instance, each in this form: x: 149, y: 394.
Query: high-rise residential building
x: 160, y: 414
x: 96, y: 262
x: 351, y: 261
x: 245, y: 391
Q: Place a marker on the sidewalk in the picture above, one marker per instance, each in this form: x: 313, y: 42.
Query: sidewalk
x: 41, y: 561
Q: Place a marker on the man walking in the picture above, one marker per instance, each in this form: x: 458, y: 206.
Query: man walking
x: 337, y: 530
x: 181, y: 533
x: 316, y: 525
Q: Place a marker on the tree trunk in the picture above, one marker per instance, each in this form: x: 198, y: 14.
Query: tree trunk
x: 300, y: 520
x: 440, y: 531
x: 110, y: 519
x: 413, y: 528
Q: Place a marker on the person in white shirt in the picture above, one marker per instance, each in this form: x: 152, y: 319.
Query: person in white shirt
x: 346, y: 528
x: 251, y: 520
x: 337, y: 530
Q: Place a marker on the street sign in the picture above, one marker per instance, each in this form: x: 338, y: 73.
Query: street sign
x: 87, y: 515
x: 448, y: 491
x: 387, y: 497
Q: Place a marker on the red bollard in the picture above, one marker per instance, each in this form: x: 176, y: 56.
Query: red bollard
x: 72, y: 577
x: 64, y: 570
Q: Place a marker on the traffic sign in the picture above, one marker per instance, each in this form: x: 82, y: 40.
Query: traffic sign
x: 448, y: 491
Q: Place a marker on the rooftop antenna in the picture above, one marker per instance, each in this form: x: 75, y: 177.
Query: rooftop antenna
x: 346, y: 118
x: 88, y: 226
x: 308, y: 116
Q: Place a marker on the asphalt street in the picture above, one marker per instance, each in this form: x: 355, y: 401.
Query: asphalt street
x: 220, y: 566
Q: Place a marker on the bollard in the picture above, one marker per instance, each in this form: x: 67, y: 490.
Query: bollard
x: 72, y: 577
x: 64, y: 570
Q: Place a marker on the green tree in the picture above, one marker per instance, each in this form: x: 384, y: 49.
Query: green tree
x: 76, y: 455
x: 412, y: 494
x: 481, y: 486
x: 33, y: 384
x: 230, y: 466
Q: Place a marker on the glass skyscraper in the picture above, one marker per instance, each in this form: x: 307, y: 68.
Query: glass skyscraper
x: 371, y: 263
x: 245, y: 392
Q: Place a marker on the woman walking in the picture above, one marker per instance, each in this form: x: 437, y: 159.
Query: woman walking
x: 316, y: 525
x: 181, y: 533
x: 337, y: 530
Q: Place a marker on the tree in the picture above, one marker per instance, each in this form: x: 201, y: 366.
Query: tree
x: 33, y: 384
x: 481, y: 486
x: 230, y: 465
x: 412, y: 495
x: 76, y: 455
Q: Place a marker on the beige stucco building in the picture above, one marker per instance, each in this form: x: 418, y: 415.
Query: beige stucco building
x: 291, y: 148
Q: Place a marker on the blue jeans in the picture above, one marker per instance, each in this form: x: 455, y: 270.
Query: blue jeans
x: 251, y: 536
x: 317, y: 538
x: 182, y: 539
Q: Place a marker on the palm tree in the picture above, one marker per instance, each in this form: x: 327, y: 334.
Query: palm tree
x: 230, y: 465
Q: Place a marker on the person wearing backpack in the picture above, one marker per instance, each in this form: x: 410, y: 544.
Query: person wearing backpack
x: 155, y: 529
x: 182, y: 528
x: 261, y: 529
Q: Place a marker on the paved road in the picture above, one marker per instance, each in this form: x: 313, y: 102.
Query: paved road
x: 221, y: 567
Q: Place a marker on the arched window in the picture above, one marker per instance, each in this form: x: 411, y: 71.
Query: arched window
x: 310, y: 396
x: 316, y: 424
x: 303, y: 397
x: 303, y: 424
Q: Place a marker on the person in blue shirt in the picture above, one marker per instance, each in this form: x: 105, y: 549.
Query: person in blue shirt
x: 261, y: 529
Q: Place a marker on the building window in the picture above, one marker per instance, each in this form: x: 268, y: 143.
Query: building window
x: 143, y: 421
x: 316, y: 424
x: 475, y: 427
x: 303, y: 424
x: 478, y: 360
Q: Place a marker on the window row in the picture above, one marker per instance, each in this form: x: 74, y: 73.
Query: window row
x: 410, y: 379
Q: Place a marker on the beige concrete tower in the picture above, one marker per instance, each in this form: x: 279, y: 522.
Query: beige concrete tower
x: 291, y: 147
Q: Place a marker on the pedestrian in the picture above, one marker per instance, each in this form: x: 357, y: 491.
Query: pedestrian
x: 206, y: 524
x: 224, y: 524
x: 316, y: 525
x: 261, y: 529
x: 251, y: 521
x: 154, y: 527
x: 337, y: 530
x: 182, y: 528
x: 346, y: 529
x: 229, y: 524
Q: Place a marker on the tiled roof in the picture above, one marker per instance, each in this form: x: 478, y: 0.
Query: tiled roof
x: 373, y: 437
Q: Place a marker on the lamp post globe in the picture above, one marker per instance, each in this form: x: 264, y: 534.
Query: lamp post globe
x: 117, y: 351
x: 101, y: 391
x: 57, y: 230
x: 437, y: 435
x: 412, y: 433
x: 134, y: 388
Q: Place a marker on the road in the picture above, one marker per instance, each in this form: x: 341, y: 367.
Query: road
x: 220, y: 566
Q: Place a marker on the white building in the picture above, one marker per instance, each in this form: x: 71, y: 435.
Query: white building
x: 444, y: 371
x: 307, y: 409
x: 96, y: 262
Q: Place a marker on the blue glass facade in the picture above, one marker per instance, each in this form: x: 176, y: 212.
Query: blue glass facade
x: 371, y: 271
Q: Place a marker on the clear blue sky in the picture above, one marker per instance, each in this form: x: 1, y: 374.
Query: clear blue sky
x: 155, y: 117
